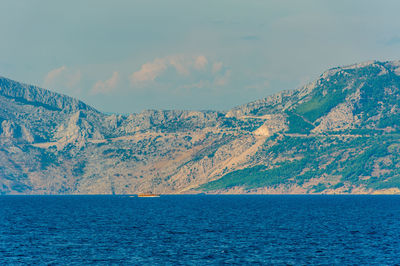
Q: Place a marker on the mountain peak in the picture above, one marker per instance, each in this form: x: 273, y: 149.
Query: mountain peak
x: 383, y: 65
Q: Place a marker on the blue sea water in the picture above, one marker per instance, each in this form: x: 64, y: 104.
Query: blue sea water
x: 197, y: 230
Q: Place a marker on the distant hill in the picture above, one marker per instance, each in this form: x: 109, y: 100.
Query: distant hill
x: 338, y: 134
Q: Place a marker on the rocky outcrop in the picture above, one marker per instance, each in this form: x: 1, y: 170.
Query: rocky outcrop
x: 77, y: 130
x: 272, y: 104
x: 339, y: 118
x: 10, y: 129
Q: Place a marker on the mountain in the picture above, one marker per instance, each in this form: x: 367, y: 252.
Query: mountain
x: 338, y: 134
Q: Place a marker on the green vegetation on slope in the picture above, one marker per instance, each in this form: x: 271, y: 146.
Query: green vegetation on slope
x: 297, y: 124
x: 320, y: 105
x: 352, y: 160
x: 257, y: 176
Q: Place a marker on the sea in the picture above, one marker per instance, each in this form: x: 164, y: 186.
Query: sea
x: 200, y: 230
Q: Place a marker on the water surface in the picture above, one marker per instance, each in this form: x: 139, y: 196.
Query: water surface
x: 199, y: 229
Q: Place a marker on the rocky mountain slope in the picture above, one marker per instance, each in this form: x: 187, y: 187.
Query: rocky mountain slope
x: 338, y: 134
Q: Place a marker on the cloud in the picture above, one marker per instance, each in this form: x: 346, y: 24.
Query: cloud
x: 62, y: 77
x: 223, y: 80
x: 149, y: 71
x: 201, y: 62
x: 216, y: 67
x: 73, y: 78
x: 53, y: 75
x: 180, y: 63
x: 183, y: 65
x: 181, y: 72
x: 213, y: 81
x: 107, y: 86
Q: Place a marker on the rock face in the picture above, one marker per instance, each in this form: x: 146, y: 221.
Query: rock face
x: 338, y: 134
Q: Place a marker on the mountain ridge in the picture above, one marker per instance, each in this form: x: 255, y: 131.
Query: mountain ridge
x: 30, y: 94
x: 337, y: 134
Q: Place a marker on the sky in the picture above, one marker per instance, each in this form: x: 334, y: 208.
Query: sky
x: 128, y: 56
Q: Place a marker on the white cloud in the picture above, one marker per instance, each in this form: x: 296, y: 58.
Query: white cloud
x: 53, y: 75
x: 149, y: 71
x: 62, y: 77
x: 107, y: 86
x: 183, y: 65
x: 201, y: 62
x: 180, y: 63
x: 74, y: 78
x: 217, y: 66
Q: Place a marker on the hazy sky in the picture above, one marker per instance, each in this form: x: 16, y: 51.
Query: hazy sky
x: 126, y: 56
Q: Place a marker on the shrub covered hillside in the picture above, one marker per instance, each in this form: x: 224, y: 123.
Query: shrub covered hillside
x: 343, y: 136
